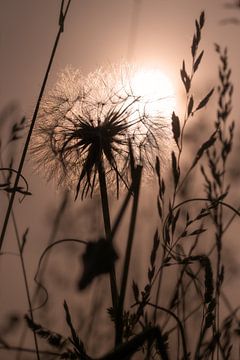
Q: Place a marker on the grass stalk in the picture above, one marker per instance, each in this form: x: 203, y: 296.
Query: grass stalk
x: 180, y: 326
x: 136, y: 190
x: 160, y: 279
x: 28, y: 350
x: 34, y: 117
x: 25, y: 282
x: 107, y: 227
x: 20, y: 248
x: 43, y: 269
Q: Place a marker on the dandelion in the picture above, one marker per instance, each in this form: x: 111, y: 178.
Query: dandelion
x: 85, y: 129
x: 85, y: 126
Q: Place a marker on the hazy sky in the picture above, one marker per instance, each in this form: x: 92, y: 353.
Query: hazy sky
x: 99, y: 32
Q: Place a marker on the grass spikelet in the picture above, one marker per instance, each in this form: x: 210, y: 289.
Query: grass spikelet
x: 53, y: 339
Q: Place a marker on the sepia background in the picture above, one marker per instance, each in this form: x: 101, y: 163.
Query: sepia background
x: 148, y: 33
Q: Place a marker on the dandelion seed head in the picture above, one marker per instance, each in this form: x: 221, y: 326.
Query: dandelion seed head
x: 88, y: 120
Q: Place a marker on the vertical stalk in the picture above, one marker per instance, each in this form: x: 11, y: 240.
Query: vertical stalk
x: 160, y: 279
x: 136, y: 188
x: 41, y: 273
x: 24, y: 152
x: 25, y: 282
x: 107, y: 226
x: 23, y: 270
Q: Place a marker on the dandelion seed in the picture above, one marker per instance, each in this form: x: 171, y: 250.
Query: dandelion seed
x: 88, y: 121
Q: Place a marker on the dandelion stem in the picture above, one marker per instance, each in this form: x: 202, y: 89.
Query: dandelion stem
x: 107, y: 226
x: 136, y: 188
x: 104, y: 199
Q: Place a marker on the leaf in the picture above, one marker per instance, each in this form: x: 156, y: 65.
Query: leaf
x: 190, y: 105
x: 52, y: 338
x: 209, y: 320
x: 135, y: 291
x: 156, y: 242
x: 175, y: 127
x: 203, y: 213
x: 3, y: 185
x: 198, y: 32
x: 16, y: 129
x: 197, y: 62
x: 180, y: 252
x: 98, y: 259
x: 205, y: 100
x: 202, y: 19
x: 160, y: 212
x: 185, y: 78
x: 194, y: 46
x: 157, y: 167
x: 151, y: 273
x: 78, y: 344
x: 217, y: 48
x: 175, y: 169
x: 24, y: 239
x: 203, y: 148
x: 184, y: 233
x: 174, y: 220
x: 166, y: 236
x: 163, y: 187
x: 69, y: 321
x: 197, y: 232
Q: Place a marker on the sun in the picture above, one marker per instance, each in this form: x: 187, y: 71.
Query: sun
x: 156, y: 91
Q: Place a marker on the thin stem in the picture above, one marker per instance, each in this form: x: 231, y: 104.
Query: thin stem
x: 185, y: 352
x: 41, y: 261
x: 54, y: 244
x: 27, y: 350
x: 43, y: 269
x: 122, y: 211
x: 160, y: 278
x: 20, y: 248
x: 25, y: 149
x: 25, y: 281
x: 136, y: 189
x: 107, y: 226
x: 104, y: 199
x: 230, y: 221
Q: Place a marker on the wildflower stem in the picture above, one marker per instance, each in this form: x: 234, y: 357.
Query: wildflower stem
x: 25, y: 282
x: 107, y: 226
x: 27, y: 350
x: 181, y: 328
x: 20, y: 248
x: 43, y: 270
x: 136, y: 188
x: 25, y: 149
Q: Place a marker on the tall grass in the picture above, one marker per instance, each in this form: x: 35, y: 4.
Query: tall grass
x: 180, y: 311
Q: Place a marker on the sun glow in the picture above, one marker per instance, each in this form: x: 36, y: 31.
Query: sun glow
x: 156, y: 90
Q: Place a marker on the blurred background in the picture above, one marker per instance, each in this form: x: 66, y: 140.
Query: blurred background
x: 148, y: 33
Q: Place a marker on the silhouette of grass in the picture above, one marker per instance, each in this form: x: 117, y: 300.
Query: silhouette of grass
x: 184, y: 283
